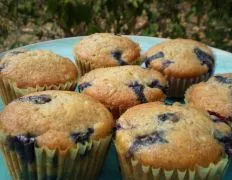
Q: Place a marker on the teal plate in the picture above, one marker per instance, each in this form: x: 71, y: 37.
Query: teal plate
x: 64, y: 47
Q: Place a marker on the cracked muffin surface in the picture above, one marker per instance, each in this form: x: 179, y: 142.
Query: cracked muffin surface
x: 124, y: 86
x: 107, y: 50
x: 37, y: 68
x: 171, y: 137
x: 213, y: 96
x: 56, y: 119
x: 183, y: 58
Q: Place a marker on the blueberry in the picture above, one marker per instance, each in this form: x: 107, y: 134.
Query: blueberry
x: 146, y: 140
x: 23, y: 145
x: 166, y: 63
x: 22, y: 139
x: 224, y: 80
x: 156, y: 84
x: 26, y: 139
x: 82, y: 137
x: 138, y: 90
x: 118, y: 126
x: 40, y: 99
x: 148, y: 60
x: 205, y: 59
x: 118, y: 56
x: 168, y: 117
x: 226, y: 140
x: 216, y: 117
x: 82, y: 86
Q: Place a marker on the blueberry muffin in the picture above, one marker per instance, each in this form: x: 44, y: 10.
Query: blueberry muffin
x: 55, y: 135
x: 105, y: 50
x: 157, y: 141
x: 122, y: 87
x: 183, y: 62
x: 23, y: 72
x: 213, y: 96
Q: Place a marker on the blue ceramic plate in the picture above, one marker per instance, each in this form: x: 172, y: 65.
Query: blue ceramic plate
x: 64, y: 47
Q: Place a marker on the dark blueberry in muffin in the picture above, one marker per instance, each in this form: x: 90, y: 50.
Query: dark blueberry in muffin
x: 118, y: 56
x: 215, y: 118
x: 147, y: 140
x: 205, y: 59
x: 218, y: 118
x: 228, y: 145
x: 138, y: 90
x: 168, y: 117
x: 21, y: 139
x: 148, y: 60
x: 82, y: 137
x: 84, y: 85
x: 226, y: 140
x: 166, y: 63
x: 224, y: 80
x: 26, y: 139
x: 118, y: 126
x: 40, y: 99
x: 23, y: 145
x: 156, y: 84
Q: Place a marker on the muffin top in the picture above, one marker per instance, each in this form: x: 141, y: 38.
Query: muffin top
x: 214, y: 96
x: 37, y: 68
x: 180, y: 58
x: 56, y: 119
x: 171, y: 137
x: 123, y: 86
x: 106, y: 50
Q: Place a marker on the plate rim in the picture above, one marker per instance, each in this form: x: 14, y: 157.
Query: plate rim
x: 80, y: 37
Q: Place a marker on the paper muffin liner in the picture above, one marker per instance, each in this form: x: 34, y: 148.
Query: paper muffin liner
x: 31, y: 162
x: 132, y: 169
x: 178, y: 86
x: 84, y: 66
x: 116, y: 111
x: 9, y: 90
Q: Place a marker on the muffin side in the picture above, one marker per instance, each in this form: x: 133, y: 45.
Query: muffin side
x: 155, y: 140
x: 30, y: 71
x: 213, y: 96
x: 183, y: 62
x: 54, y: 128
x: 105, y: 50
x: 120, y: 88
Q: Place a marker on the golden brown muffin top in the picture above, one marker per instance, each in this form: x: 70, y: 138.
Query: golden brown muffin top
x: 123, y: 86
x: 106, y: 50
x: 214, y: 96
x: 56, y: 119
x: 37, y: 68
x: 170, y: 137
x: 180, y: 58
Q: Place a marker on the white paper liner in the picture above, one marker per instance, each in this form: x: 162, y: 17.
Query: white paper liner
x: 81, y: 162
x: 178, y: 86
x: 9, y: 90
x: 132, y: 169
